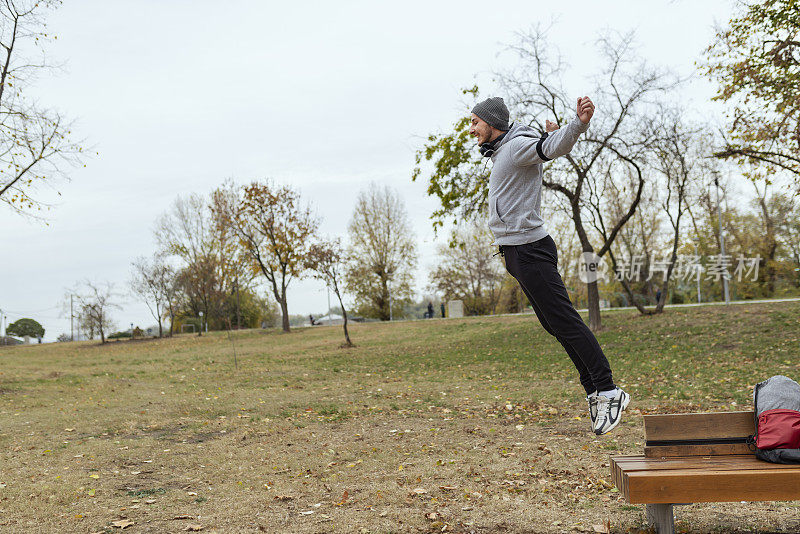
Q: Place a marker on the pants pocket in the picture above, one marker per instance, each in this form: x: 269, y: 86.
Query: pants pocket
x: 537, y: 251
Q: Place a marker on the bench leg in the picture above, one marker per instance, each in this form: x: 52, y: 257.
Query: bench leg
x: 661, y: 517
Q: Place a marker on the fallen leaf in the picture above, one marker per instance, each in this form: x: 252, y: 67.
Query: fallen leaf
x: 183, y: 517
x: 193, y: 527
x: 283, y: 497
x: 124, y: 523
x: 307, y: 512
x: 419, y: 491
x: 448, y: 488
x: 602, y: 529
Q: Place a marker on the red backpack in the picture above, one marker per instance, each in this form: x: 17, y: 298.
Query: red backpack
x: 777, y: 412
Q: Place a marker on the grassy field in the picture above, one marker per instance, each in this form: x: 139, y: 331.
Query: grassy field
x: 476, y: 424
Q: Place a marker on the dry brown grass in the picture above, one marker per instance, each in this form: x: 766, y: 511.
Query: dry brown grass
x: 430, y: 426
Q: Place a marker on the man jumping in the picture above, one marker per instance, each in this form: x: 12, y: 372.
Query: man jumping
x: 515, y: 192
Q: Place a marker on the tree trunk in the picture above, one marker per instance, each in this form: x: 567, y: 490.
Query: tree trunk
x: 797, y: 262
x: 635, y: 302
x: 771, y: 271
x: 284, y: 313
x: 772, y: 244
x: 280, y: 297
x: 347, y: 343
x: 663, y: 299
x: 593, y: 296
x: 160, y: 329
x: 385, y: 301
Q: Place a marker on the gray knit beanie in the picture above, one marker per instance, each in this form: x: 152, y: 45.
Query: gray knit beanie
x: 494, y: 111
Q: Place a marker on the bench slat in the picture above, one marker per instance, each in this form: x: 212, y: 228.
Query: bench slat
x: 715, y: 449
x: 665, y: 427
x: 744, y: 462
x: 699, y: 485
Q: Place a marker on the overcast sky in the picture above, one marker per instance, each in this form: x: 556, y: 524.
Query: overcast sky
x: 326, y: 96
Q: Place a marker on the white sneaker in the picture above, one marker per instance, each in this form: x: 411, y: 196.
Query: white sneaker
x: 609, y: 411
x: 591, y: 399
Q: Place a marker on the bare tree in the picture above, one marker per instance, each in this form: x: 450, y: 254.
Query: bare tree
x: 34, y: 142
x: 153, y: 281
x: 274, y: 230
x: 680, y: 155
x: 775, y: 215
x: 95, y: 301
x: 616, y: 143
x: 326, y: 260
x: 211, y: 263
x: 84, y: 323
x: 382, y: 252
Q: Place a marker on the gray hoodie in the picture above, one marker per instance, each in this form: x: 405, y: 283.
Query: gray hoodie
x: 515, y: 183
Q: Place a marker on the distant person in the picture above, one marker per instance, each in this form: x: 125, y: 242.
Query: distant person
x: 311, y: 319
x: 515, y: 191
x: 430, y: 310
x: 442, y: 305
x: 658, y: 296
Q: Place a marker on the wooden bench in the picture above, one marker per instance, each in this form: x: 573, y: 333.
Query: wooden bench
x: 699, y: 457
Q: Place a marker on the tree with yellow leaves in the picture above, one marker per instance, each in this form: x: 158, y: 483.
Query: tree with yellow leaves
x: 274, y: 228
x: 756, y: 60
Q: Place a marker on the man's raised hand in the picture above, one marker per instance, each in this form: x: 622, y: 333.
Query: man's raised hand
x: 550, y: 126
x: 585, y: 109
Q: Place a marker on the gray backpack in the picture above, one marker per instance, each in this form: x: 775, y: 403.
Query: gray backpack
x: 777, y: 412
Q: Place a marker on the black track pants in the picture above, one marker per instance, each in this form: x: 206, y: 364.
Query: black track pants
x: 534, y: 267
